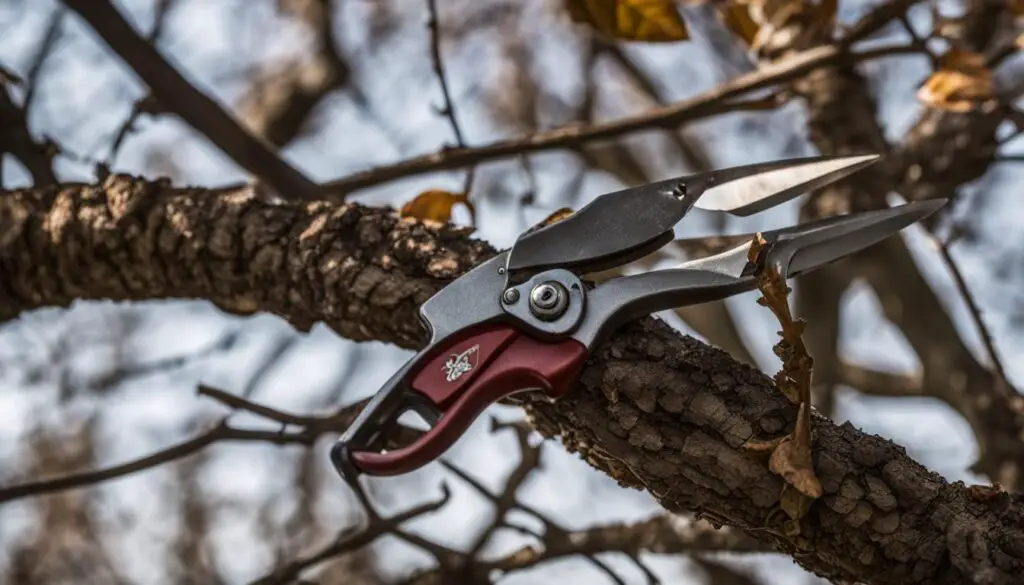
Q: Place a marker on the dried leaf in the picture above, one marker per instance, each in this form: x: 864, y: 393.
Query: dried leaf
x: 961, y: 84
x: 656, y: 21
x: 792, y: 459
x: 436, y: 205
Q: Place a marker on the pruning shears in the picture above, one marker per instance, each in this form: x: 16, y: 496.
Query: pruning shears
x: 526, y: 319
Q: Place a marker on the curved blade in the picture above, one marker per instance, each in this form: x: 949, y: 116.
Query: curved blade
x: 798, y: 249
x: 750, y: 194
x: 625, y: 225
x: 793, y: 250
x: 800, y: 252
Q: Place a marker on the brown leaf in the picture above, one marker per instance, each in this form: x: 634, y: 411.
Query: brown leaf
x: 984, y: 493
x: 961, y: 84
x: 656, y: 21
x: 436, y: 205
x: 792, y: 460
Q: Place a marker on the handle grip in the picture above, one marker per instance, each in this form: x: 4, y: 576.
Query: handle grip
x: 450, y: 385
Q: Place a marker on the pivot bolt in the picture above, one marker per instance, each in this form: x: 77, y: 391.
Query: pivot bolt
x: 511, y: 296
x: 548, y: 300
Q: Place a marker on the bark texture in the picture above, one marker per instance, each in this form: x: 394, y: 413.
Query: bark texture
x: 654, y: 409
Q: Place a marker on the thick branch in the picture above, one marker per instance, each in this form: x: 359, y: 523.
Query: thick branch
x: 653, y: 409
x: 177, y: 95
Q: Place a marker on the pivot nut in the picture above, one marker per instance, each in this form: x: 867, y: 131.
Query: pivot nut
x: 549, y: 300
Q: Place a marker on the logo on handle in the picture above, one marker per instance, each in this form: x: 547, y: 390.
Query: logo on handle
x: 461, y: 363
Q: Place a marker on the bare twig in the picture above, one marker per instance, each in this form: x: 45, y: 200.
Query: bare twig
x: 221, y: 432
x: 349, y: 541
x: 791, y: 457
x: 1003, y: 383
x: 148, y: 104
x: 179, y: 96
x: 15, y: 136
x: 50, y: 38
x: 310, y: 429
x: 448, y: 110
x: 127, y: 372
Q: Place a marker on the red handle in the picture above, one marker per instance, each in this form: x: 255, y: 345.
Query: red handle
x: 469, y: 377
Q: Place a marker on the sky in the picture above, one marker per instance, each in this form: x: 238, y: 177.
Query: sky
x: 86, y: 94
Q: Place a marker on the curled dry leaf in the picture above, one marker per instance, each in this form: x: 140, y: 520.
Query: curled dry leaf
x: 653, y: 21
x: 792, y: 458
x: 436, y: 205
x: 962, y: 83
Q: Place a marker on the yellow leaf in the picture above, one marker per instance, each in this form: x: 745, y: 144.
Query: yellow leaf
x: 962, y: 82
x: 656, y: 21
x: 437, y: 205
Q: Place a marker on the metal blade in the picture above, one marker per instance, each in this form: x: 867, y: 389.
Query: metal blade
x: 793, y: 250
x: 748, y: 194
x: 801, y: 252
x: 625, y: 225
x: 804, y: 247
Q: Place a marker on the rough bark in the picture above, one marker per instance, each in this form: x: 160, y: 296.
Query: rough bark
x: 654, y: 409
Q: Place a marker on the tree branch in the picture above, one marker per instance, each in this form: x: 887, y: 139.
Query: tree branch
x: 177, y: 95
x: 653, y: 409
x: 720, y: 100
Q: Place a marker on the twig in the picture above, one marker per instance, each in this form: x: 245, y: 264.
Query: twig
x: 448, y: 110
x: 237, y: 402
x: 918, y: 41
x: 312, y: 429
x: 557, y: 541
x: 717, y: 101
x: 348, y: 542
x: 129, y: 371
x: 15, y: 137
x: 50, y: 38
x: 220, y: 432
x: 791, y: 457
x: 1003, y: 383
x: 176, y: 94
